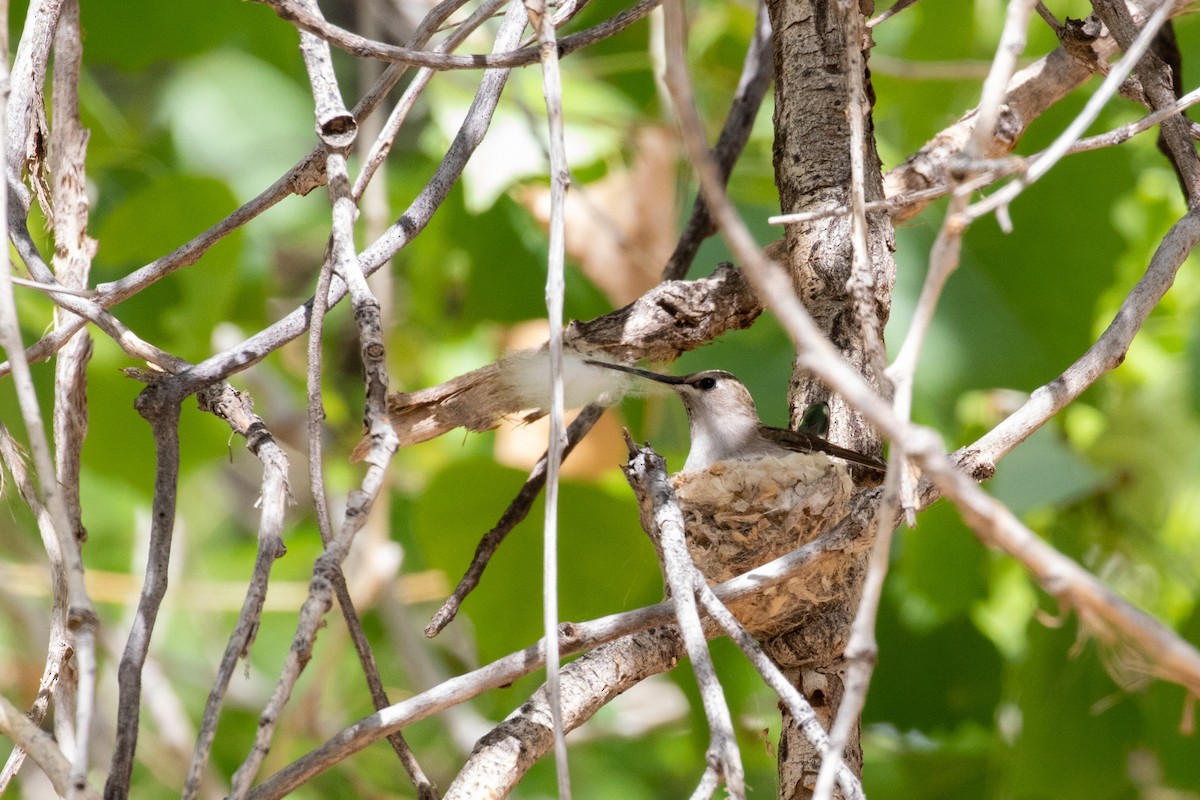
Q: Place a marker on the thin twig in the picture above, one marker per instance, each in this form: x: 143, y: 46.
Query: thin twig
x: 861, y: 648
x: 992, y: 170
x: 383, y: 142
x: 73, y: 253
x: 1048, y: 17
x: 1031, y: 92
x: 517, y: 510
x: 862, y: 274
x: 307, y: 174
x: 1126, y: 132
x: 979, y: 458
x: 366, y: 48
x: 757, y: 70
x: 326, y: 97
x: 560, y: 179
x: 944, y: 256
x: 337, y: 129
x: 60, y: 649
x: 44, y: 751
x: 25, y: 115
x: 52, y: 289
x: 86, y: 309
x: 801, y: 710
x: 399, y: 234
x: 1112, y: 82
x: 590, y: 682
x: 1160, y: 84
x: 895, y: 9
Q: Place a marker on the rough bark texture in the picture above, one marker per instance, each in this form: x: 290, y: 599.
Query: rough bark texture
x: 812, y: 169
x: 799, y: 763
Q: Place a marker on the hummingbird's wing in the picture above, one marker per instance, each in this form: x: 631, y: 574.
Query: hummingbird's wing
x: 805, y: 442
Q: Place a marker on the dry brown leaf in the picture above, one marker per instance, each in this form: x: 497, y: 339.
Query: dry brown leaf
x: 622, y: 228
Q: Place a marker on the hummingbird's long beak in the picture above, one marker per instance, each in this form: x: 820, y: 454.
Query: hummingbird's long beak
x: 671, y: 380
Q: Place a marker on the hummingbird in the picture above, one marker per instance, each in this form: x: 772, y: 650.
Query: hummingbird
x: 725, y: 426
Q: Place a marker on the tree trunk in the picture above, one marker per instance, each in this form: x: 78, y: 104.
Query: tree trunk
x: 813, y: 171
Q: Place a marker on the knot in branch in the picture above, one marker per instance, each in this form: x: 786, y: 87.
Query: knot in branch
x: 82, y: 618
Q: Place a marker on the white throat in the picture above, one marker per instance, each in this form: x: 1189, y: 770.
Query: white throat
x: 720, y: 438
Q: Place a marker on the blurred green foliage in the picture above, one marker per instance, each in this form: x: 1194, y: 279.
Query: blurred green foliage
x: 981, y: 689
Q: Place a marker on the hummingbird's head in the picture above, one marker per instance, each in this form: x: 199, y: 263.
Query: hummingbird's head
x: 715, y: 398
x: 708, y: 395
x: 721, y: 413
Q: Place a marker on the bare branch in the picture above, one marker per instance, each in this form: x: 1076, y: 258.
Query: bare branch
x: 517, y: 510
x: 506, y: 753
x: 1112, y: 82
x: 237, y: 409
x: 74, y: 251
x: 1033, y: 90
x: 306, y: 175
x: 992, y: 170
x: 25, y: 115
x: 360, y: 46
x: 44, y: 751
x: 403, y: 231
x: 162, y: 412
x: 895, y: 9
x: 337, y: 129
x: 560, y: 179
x: 980, y: 458
x: 52, y: 289
x: 801, y: 710
x: 60, y: 649
x: 82, y: 307
x: 1158, y: 86
x: 663, y: 520
x: 757, y: 69
x: 1126, y: 132
x: 72, y: 606
x: 387, y: 134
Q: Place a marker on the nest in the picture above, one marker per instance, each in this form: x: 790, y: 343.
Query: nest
x: 742, y: 514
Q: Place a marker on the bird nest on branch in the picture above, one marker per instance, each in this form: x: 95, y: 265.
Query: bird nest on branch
x: 741, y: 514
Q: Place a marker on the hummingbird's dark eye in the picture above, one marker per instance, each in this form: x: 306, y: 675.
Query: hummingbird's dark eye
x: 707, y: 383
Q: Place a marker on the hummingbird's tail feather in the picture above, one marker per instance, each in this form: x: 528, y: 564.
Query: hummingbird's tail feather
x: 854, y: 457
x: 804, y: 442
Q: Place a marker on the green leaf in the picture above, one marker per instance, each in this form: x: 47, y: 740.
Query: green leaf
x: 180, y: 311
x: 605, y: 564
